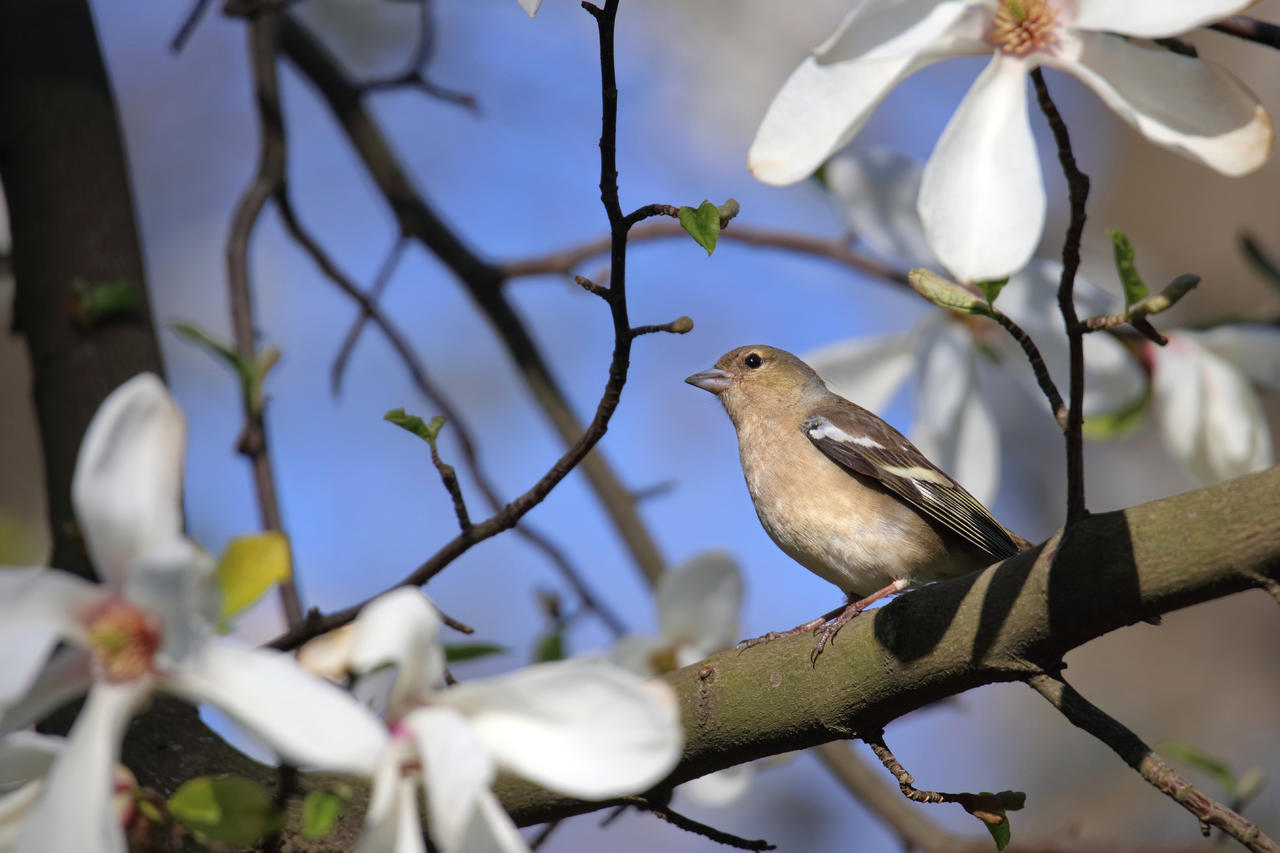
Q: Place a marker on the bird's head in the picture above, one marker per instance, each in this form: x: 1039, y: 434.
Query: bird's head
x: 759, y: 378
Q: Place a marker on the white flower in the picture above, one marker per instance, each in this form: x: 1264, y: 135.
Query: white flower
x: 148, y: 626
x: 1210, y: 417
x: 947, y: 352
x: 982, y: 198
x: 585, y: 728
x: 25, y: 758
x: 530, y: 6
x: 698, y: 604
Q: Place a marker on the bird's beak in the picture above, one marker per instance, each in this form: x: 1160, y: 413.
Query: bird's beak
x: 714, y: 380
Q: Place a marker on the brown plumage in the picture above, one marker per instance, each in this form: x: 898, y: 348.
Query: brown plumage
x: 843, y: 493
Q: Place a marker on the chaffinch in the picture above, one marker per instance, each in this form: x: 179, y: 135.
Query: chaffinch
x: 843, y: 493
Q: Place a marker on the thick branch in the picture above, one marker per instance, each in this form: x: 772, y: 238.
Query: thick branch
x: 1006, y: 623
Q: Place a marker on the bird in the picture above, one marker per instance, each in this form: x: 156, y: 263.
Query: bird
x: 843, y: 493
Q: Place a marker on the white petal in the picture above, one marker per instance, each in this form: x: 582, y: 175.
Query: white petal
x: 953, y: 426
x: 40, y: 607
x: 401, y: 629
x: 392, y: 824
x: 66, y: 676
x: 868, y: 371
x: 877, y: 191
x: 722, y: 787
x: 329, y: 655
x: 25, y: 757
x: 827, y: 100
x: 698, y: 605
x: 530, y: 6
x: 1153, y: 18
x: 1254, y: 348
x: 75, y: 810
x: 981, y: 197
x: 1113, y: 379
x: 586, y: 728
x: 1179, y: 398
x: 304, y: 718
x: 127, y: 488
x: 491, y: 830
x: 456, y: 769
x: 1178, y: 102
x: 176, y: 581
x: 1237, y: 439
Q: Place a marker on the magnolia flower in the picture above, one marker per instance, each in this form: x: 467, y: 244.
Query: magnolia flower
x: 1210, y: 417
x: 585, y: 728
x: 698, y: 604
x: 982, y: 198
x: 530, y: 6
x: 947, y: 352
x: 148, y: 626
x: 25, y: 758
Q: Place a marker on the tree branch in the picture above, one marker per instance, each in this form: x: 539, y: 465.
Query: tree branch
x: 1149, y: 765
x: 1007, y: 623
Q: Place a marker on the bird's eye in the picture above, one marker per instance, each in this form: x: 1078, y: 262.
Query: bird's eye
x: 753, y: 361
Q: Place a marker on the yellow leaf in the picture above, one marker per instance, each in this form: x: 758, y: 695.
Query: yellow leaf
x: 249, y: 566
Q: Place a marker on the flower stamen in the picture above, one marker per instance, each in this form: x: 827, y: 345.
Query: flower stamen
x: 123, y: 639
x: 1021, y: 27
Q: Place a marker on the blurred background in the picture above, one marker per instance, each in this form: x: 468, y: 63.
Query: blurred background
x: 517, y: 178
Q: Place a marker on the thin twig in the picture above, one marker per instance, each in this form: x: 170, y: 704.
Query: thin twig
x: 1106, y: 322
x: 482, y: 280
x: 544, y: 833
x: 618, y: 364
x: 188, y: 26
x: 688, y: 824
x: 1045, y: 381
x: 649, y: 211
x: 1250, y: 29
x: 414, y: 73
x: 450, y: 480
x: 1083, y: 714
x: 678, y: 326
x: 565, y: 261
x: 380, y: 281
x: 417, y: 372
x: 1078, y: 194
x: 263, y: 31
x: 987, y: 807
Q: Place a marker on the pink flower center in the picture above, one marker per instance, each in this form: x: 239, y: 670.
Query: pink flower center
x: 123, y: 638
x: 1021, y: 27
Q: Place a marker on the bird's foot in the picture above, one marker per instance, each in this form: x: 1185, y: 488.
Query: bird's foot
x: 833, y: 626
x: 807, y: 628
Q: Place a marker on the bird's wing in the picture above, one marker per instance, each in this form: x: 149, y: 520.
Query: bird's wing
x: 868, y: 446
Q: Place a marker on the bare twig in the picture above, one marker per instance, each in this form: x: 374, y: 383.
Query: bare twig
x: 482, y: 279
x: 1083, y: 714
x: 1250, y: 29
x: 543, y: 834
x: 450, y: 480
x: 263, y: 31
x: 988, y: 808
x: 688, y: 824
x: 649, y: 211
x: 1041, y: 370
x: 1078, y: 193
x: 188, y: 25
x: 1105, y: 322
x: 565, y: 261
x: 678, y: 326
x: 380, y: 282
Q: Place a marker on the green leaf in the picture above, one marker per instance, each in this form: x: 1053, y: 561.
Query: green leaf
x: 1135, y: 289
x: 703, y: 224
x: 1000, y: 832
x: 416, y: 425
x: 1217, y: 768
x: 1112, y: 425
x: 462, y: 652
x: 228, y: 809
x: 1250, y: 784
x: 948, y: 294
x: 198, y: 336
x: 95, y: 304
x: 320, y: 812
x: 550, y: 647
x: 820, y: 176
x: 248, y: 568
x: 991, y: 289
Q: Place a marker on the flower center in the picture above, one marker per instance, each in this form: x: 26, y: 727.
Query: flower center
x: 1021, y: 27
x: 123, y: 639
